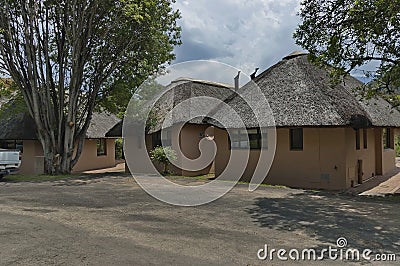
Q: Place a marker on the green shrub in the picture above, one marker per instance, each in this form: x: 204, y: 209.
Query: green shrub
x: 119, y: 152
x: 163, y: 155
x: 397, y: 145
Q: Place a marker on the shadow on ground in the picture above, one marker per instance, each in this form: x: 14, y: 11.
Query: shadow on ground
x: 87, y: 178
x: 73, y: 180
x: 365, y: 222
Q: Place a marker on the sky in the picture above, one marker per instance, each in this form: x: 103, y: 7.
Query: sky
x: 243, y: 33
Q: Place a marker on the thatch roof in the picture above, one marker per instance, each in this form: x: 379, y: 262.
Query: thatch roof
x: 17, y: 124
x: 184, y: 90
x: 100, y: 124
x: 115, y: 131
x: 301, y: 94
x: 179, y: 91
x: 18, y: 127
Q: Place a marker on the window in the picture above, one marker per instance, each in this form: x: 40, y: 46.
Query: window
x: 156, y: 139
x: 387, y: 139
x: 101, y: 147
x: 159, y: 139
x: 166, y: 137
x: 296, y: 139
x: 255, y: 136
x: 365, y: 138
x: 357, y: 139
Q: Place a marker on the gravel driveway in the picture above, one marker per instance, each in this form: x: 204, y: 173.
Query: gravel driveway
x: 108, y: 219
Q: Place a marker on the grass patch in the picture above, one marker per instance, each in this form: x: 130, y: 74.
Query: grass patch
x: 30, y: 178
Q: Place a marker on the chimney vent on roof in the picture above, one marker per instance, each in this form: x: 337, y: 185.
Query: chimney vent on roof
x: 237, y: 81
x: 253, y: 75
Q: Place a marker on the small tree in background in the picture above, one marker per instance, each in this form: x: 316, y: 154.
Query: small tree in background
x: 163, y: 155
x: 119, y: 150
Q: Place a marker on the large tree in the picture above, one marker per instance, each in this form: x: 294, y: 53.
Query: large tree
x: 65, y: 56
x: 350, y: 33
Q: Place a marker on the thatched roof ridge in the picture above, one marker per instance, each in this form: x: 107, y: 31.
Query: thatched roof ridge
x: 203, y: 82
x: 184, y: 89
x: 301, y: 94
x: 100, y: 124
x: 294, y: 54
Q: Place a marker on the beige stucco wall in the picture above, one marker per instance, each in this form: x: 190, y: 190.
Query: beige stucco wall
x: 367, y: 156
x: 32, y: 157
x: 388, y: 161
x: 89, y: 159
x: 385, y: 158
x: 389, y: 155
x: 187, y: 140
x: 329, y: 159
x: 321, y: 164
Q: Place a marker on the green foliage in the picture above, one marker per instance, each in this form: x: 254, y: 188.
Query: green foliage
x: 16, y: 105
x: 157, y: 33
x: 119, y: 152
x: 141, y: 102
x: 348, y: 34
x: 163, y: 155
x: 397, y: 145
x: 13, y: 101
x: 7, y: 88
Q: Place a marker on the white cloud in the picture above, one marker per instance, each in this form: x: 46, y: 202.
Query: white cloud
x: 203, y: 70
x: 245, y: 34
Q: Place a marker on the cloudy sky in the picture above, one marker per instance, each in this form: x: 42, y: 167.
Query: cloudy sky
x: 243, y: 33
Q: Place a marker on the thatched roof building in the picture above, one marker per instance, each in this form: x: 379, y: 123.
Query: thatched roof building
x: 17, y: 124
x: 301, y: 94
x: 183, y: 90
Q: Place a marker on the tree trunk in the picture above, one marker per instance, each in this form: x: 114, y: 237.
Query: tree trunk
x: 64, y: 55
x: 59, y: 157
x: 48, y: 160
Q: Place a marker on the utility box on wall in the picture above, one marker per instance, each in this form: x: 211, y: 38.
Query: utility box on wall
x: 38, y: 166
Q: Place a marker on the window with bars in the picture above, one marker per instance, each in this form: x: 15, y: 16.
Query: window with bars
x: 160, y: 139
x: 387, y: 141
x: 296, y: 139
x: 248, y: 138
x: 365, y: 138
x: 357, y: 139
x: 101, y: 147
